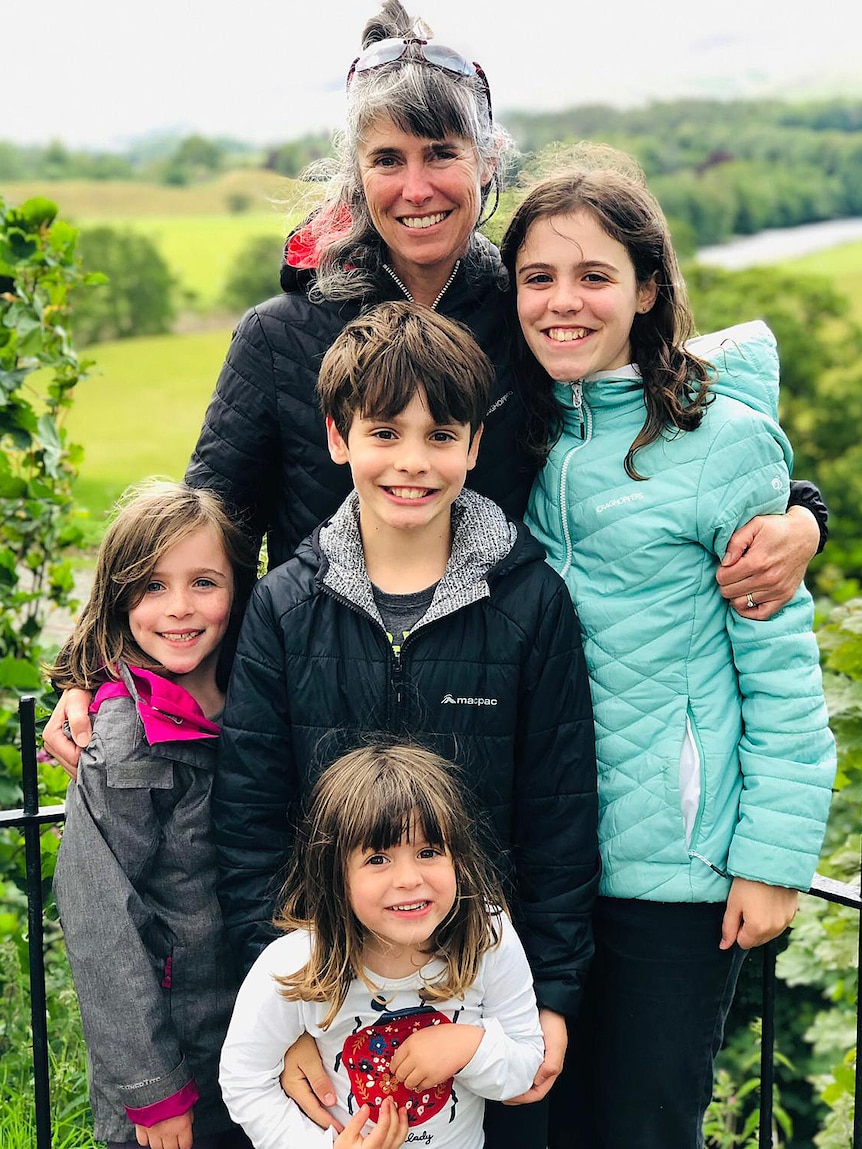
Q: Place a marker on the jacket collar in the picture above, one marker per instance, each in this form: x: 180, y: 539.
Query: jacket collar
x: 168, y: 712
x: 482, y: 537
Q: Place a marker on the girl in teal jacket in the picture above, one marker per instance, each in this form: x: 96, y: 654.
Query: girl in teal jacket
x: 715, y: 757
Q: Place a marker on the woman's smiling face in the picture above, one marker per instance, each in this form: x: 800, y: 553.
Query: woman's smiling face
x: 424, y: 196
x: 577, y: 296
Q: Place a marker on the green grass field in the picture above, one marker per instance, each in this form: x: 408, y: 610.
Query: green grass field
x: 200, y: 250
x: 193, y: 227
x: 140, y: 412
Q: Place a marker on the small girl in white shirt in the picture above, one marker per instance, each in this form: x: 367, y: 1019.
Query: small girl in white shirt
x: 395, y: 929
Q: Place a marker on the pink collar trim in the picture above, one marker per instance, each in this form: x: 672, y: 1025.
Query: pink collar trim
x: 167, y: 710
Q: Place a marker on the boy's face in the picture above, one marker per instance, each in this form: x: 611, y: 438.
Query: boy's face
x: 408, y: 470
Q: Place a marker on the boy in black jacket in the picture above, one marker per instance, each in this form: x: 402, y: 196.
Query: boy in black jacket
x: 418, y: 610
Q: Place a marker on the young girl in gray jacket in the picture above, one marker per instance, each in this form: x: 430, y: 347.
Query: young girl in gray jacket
x: 135, y: 876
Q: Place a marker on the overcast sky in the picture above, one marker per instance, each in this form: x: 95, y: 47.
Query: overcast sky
x: 97, y: 73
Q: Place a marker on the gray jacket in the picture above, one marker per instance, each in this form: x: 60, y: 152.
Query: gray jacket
x: 135, y: 888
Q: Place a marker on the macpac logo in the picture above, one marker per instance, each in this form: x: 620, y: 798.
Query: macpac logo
x: 448, y: 700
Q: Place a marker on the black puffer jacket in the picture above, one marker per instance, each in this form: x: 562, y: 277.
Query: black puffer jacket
x: 263, y: 443
x: 492, y: 677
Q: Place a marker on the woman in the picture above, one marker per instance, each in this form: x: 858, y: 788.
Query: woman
x: 418, y: 168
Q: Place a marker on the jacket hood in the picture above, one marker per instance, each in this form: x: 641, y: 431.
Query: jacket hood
x: 745, y: 357
x: 746, y: 369
x: 482, y: 538
x: 304, y: 244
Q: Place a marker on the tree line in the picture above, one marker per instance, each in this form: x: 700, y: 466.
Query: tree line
x: 719, y: 168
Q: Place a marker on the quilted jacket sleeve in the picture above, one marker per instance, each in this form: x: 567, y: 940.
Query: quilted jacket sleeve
x: 237, y: 453
x: 787, y: 752
x: 555, y: 808
x: 255, y: 784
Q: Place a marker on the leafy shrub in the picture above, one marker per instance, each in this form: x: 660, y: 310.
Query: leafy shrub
x: 136, y: 297
x: 254, y: 274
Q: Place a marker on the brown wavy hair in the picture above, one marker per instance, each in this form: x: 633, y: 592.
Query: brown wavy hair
x: 369, y: 799
x: 611, y: 186
x: 393, y: 351
x: 149, y: 518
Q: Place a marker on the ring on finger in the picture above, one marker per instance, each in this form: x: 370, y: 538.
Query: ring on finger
x: 749, y: 601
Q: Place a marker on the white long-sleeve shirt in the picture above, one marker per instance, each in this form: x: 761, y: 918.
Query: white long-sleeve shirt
x: 357, y: 1046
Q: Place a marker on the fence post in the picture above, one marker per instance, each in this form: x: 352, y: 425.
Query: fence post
x: 767, y: 1047
x: 33, y: 856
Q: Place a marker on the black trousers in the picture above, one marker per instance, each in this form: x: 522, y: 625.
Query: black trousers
x: 516, y: 1126
x: 639, y: 1067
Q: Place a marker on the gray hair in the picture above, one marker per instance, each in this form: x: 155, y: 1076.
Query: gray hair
x: 423, y: 100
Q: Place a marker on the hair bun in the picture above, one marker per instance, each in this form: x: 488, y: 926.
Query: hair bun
x: 392, y: 21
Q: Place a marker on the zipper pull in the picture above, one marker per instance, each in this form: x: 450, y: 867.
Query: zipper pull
x: 578, y: 404
x: 396, y: 677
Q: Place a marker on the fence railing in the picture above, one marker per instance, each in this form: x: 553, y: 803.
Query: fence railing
x: 30, y: 819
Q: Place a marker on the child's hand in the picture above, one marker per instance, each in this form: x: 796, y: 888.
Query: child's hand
x: 435, y: 1054
x: 173, y: 1133
x: 389, y: 1132
x: 756, y: 913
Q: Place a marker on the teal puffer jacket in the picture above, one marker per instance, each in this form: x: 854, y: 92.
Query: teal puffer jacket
x: 715, y: 756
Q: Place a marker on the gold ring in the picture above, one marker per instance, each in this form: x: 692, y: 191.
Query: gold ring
x: 749, y: 601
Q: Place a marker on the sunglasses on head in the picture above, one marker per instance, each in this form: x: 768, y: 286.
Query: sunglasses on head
x: 437, y: 55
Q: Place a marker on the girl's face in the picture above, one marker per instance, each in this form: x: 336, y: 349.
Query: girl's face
x: 424, y: 196
x: 400, y: 895
x: 182, y: 618
x: 577, y: 296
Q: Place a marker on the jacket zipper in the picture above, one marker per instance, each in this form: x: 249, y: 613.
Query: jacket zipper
x: 397, y: 677
x: 410, y: 298
x: 582, y: 412
x: 396, y: 673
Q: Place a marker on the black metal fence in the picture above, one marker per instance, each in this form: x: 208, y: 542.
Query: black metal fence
x: 30, y: 819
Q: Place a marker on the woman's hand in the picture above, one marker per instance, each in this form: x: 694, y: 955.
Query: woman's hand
x: 74, y: 708
x: 556, y: 1039
x: 756, y: 913
x: 767, y: 559
x: 304, y: 1081
x: 389, y: 1132
x: 435, y: 1054
x: 174, y: 1133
